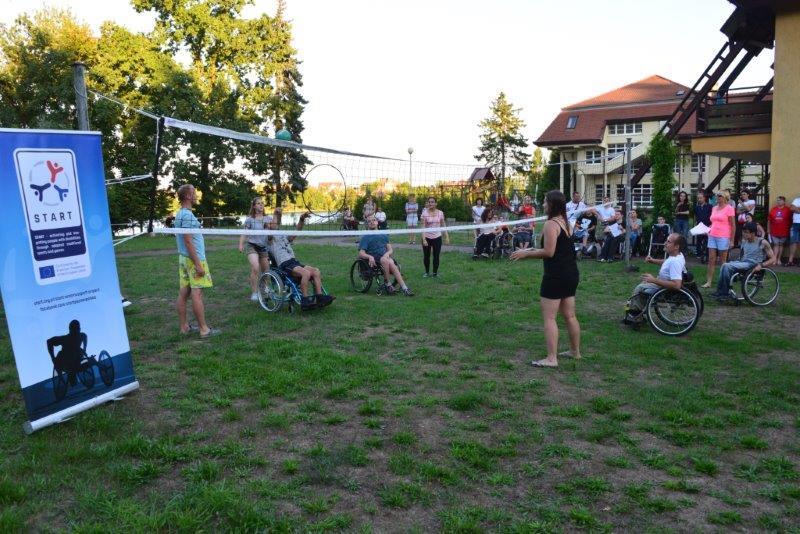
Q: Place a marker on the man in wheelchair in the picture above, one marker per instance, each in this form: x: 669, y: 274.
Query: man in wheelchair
x: 281, y: 248
x: 375, y: 249
x: 73, y: 349
x: 754, y: 250
x: 670, y: 276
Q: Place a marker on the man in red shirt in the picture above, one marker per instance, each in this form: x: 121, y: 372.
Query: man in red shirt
x: 778, y: 224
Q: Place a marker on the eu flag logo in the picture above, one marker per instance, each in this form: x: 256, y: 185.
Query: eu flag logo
x: 47, y: 271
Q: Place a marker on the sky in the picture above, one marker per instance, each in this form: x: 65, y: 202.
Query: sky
x: 381, y: 76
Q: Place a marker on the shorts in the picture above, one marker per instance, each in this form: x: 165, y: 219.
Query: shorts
x: 288, y: 265
x: 718, y: 243
x: 795, y: 233
x: 778, y: 240
x: 187, y: 274
x: 251, y: 248
x: 412, y: 220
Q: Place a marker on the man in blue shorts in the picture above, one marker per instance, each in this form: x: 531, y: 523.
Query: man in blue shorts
x: 375, y: 248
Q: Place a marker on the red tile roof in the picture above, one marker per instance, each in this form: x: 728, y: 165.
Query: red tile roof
x: 653, y: 98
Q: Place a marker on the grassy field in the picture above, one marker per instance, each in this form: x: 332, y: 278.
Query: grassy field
x: 387, y: 414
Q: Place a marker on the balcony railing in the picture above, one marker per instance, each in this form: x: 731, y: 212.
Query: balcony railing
x: 737, y: 111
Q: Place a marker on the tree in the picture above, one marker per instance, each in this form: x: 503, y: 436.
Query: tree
x: 501, y: 137
x: 36, y: 57
x: 284, y: 168
x: 550, y: 176
x: 538, y: 168
x: 236, y: 65
x: 662, y: 154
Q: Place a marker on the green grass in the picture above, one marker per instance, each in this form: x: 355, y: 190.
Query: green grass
x: 397, y: 414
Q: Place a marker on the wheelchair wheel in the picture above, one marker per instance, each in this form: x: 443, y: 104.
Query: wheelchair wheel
x: 673, y: 313
x: 106, y: 368
x: 761, y: 288
x: 360, y: 276
x: 86, y: 375
x: 270, y: 291
x: 59, y: 382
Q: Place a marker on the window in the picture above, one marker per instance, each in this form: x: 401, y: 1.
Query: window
x: 598, y: 192
x: 641, y: 196
x: 625, y: 128
x: 594, y: 156
x: 615, y: 149
x: 698, y: 163
x: 572, y: 122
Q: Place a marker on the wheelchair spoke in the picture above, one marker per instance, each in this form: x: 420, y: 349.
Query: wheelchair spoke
x: 270, y: 291
x: 673, y: 313
x: 761, y: 288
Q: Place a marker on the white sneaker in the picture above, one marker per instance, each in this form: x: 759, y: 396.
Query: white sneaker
x: 254, y: 297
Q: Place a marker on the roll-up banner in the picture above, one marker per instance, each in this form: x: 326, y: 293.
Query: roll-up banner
x: 58, y: 275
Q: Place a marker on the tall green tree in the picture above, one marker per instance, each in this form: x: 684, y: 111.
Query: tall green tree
x: 235, y: 64
x: 501, y: 139
x: 284, y: 169
x: 538, y: 168
x: 36, y: 57
x: 662, y: 154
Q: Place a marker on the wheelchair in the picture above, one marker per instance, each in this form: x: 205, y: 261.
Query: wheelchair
x: 501, y: 247
x: 759, y: 288
x: 591, y: 250
x: 84, y: 371
x: 674, y: 312
x: 362, y: 276
x: 277, y: 287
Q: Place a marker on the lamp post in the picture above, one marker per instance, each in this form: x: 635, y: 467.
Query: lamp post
x: 410, y: 179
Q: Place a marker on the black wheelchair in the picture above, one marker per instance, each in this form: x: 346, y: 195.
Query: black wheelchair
x: 673, y: 312
x: 65, y: 372
x: 501, y: 247
x: 759, y: 288
x: 362, y: 276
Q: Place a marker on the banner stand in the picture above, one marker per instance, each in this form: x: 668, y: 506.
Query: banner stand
x: 32, y: 426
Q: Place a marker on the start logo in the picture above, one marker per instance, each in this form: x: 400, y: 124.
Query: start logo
x: 49, y: 182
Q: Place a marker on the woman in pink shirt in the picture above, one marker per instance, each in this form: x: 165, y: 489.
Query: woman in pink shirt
x: 720, y: 237
x: 432, y: 241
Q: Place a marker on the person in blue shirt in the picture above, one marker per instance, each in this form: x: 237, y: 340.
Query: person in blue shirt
x: 375, y: 248
x: 193, y: 272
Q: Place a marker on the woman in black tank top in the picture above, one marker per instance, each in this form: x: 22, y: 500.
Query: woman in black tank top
x: 560, y: 279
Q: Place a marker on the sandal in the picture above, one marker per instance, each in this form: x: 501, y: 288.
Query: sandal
x: 211, y: 333
x: 568, y: 354
x: 543, y: 363
x: 706, y: 285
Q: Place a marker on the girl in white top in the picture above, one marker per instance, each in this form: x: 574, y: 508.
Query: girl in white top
x: 432, y: 241
x: 477, y: 212
x: 412, y: 220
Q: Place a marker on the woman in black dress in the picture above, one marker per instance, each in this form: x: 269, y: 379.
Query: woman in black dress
x: 560, y: 280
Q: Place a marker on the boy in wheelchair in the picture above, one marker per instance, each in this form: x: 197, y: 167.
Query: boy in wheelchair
x: 376, y: 250
x: 754, y: 250
x: 281, y: 249
x: 670, y: 276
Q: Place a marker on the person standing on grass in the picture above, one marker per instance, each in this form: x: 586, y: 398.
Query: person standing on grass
x: 432, y: 241
x: 380, y: 216
x: 635, y: 225
x: 477, y: 214
x: 682, y: 209
x: 193, y: 272
x: 720, y: 237
x: 368, y: 209
x: 256, y: 250
x: 778, y: 223
x: 560, y: 279
x: 412, y: 217
x: 702, y: 214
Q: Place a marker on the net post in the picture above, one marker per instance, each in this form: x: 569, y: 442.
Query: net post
x: 153, y: 189
x: 81, y: 99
